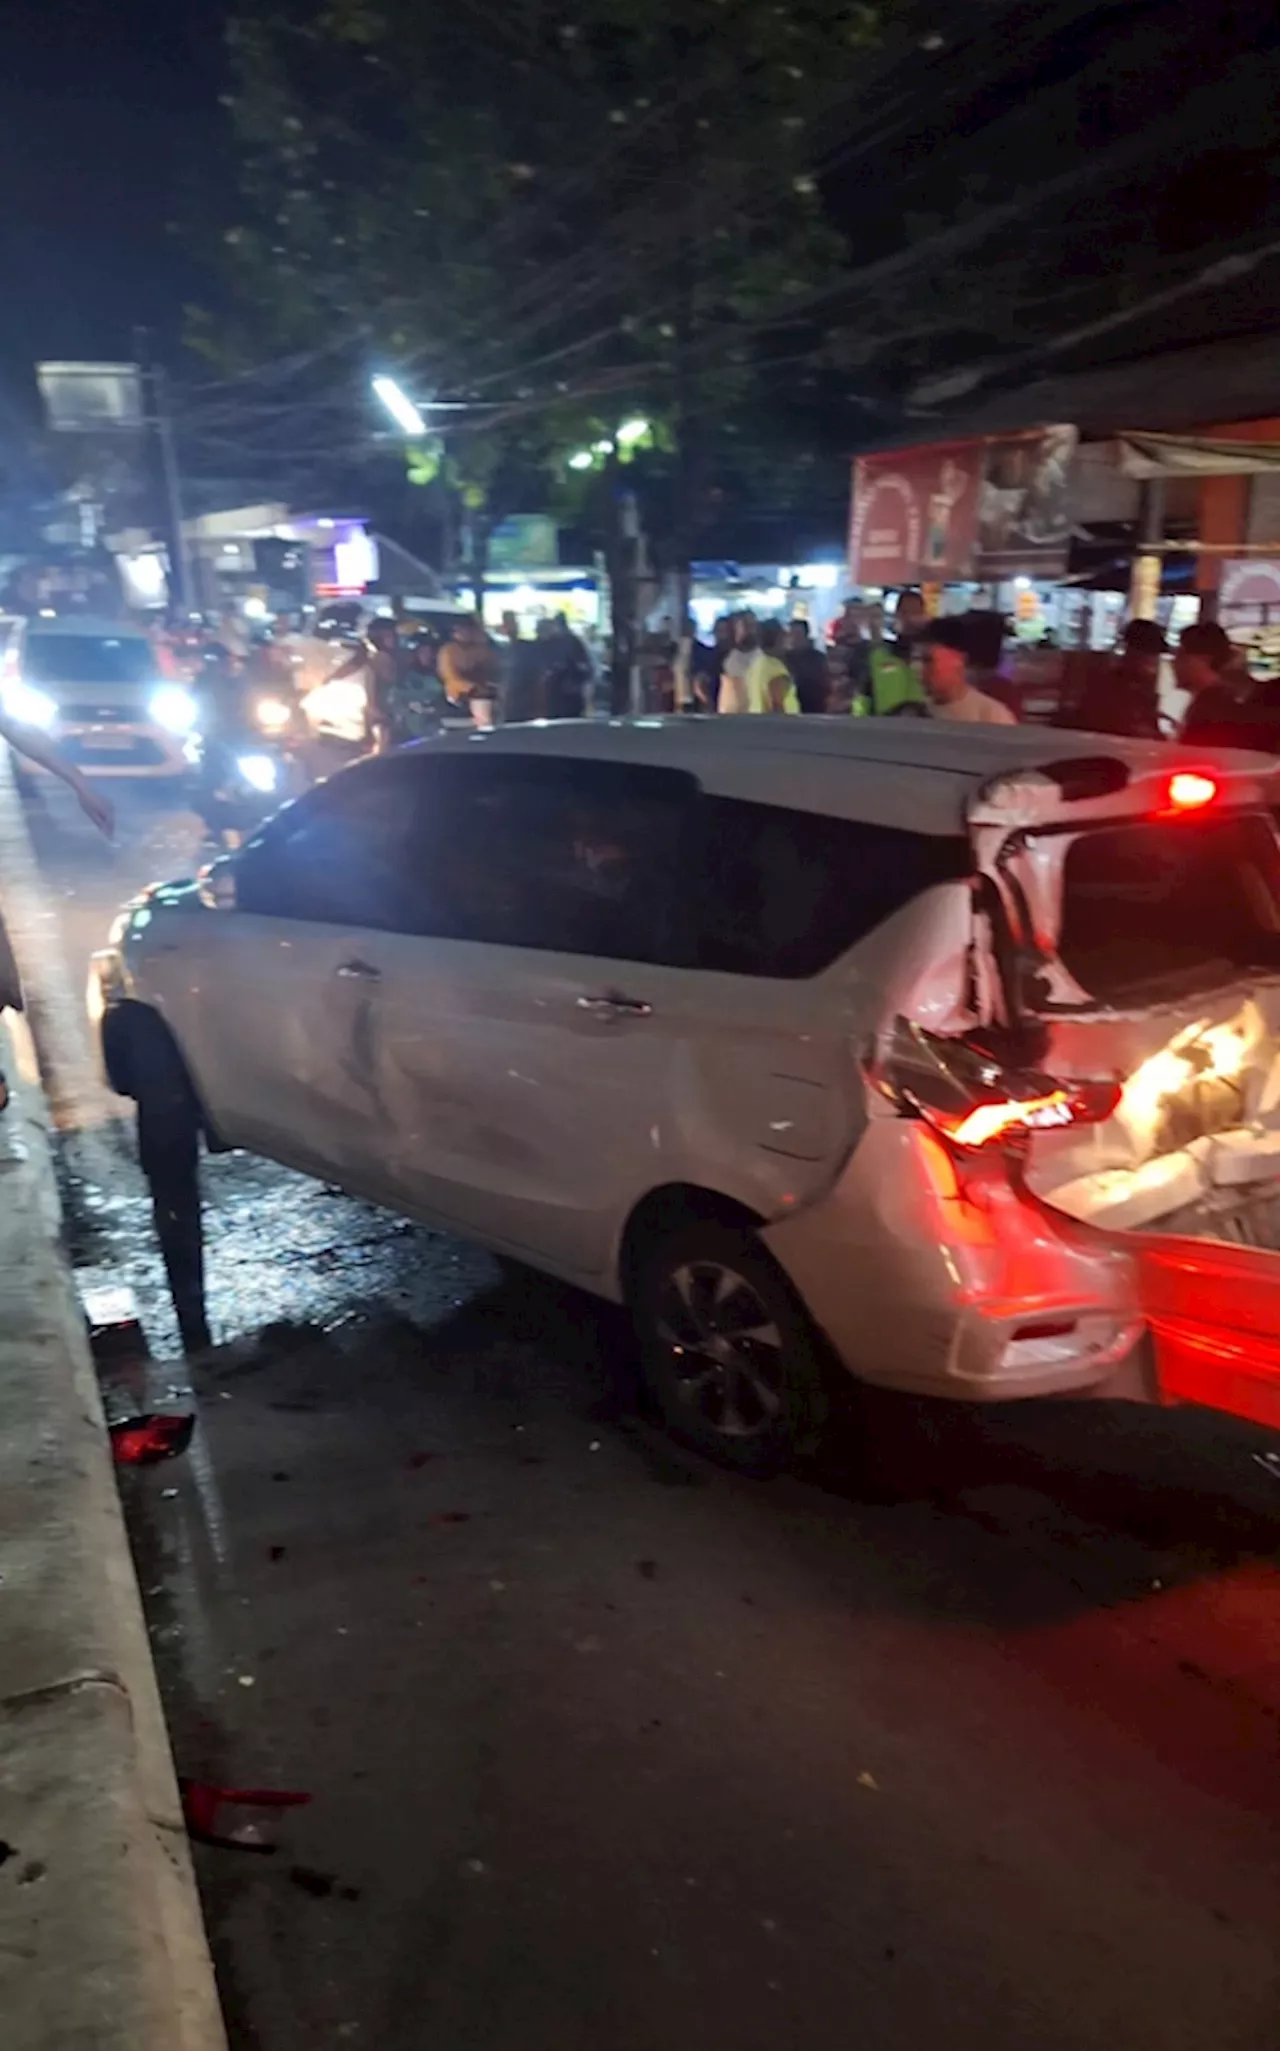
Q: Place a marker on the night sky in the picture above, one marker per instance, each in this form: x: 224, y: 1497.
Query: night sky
x: 108, y: 120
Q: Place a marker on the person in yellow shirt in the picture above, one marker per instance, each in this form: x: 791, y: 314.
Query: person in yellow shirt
x: 770, y: 686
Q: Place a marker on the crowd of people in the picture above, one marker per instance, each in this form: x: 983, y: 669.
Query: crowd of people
x: 951, y: 669
x: 916, y: 667
x: 873, y: 661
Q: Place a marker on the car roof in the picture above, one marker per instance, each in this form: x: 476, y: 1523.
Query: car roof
x: 916, y: 773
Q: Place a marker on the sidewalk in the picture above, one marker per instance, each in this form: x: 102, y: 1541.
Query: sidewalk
x: 102, y: 1947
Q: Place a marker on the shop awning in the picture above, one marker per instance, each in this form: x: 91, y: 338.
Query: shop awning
x: 1194, y: 455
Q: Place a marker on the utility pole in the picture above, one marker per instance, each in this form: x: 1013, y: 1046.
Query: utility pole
x: 159, y: 420
x: 1144, y: 580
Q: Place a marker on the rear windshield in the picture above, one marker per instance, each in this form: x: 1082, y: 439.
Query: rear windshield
x: 1161, y: 908
x: 87, y: 659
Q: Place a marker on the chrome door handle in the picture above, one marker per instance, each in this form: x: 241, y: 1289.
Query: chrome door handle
x: 359, y: 972
x: 611, y: 1006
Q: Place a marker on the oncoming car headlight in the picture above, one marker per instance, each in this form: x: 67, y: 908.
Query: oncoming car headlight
x: 27, y: 705
x: 258, y: 771
x: 174, y: 709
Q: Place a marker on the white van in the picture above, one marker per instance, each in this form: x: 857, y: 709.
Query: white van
x: 878, y: 1043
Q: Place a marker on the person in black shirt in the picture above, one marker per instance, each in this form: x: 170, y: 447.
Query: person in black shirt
x: 1228, y: 709
x: 808, y: 666
x: 1124, y: 697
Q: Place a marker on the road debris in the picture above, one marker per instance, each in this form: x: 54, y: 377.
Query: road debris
x: 203, y: 1803
x: 145, y: 1440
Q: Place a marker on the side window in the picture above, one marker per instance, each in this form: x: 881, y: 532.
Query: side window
x: 784, y: 893
x: 565, y: 856
x: 343, y: 855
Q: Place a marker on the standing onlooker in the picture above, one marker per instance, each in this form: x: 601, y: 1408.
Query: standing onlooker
x: 946, y: 680
x: 809, y: 670
x: 890, y: 684
x: 708, y: 664
x: 565, y: 671
x: 769, y: 686
x: 849, y: 631
x: 1226, y: 711
x: 910, y: 624
x: 1123, y: 697
x: 512, y: 668
x: 378, y: 656
x: 733, y: 669
x: 468, y: 669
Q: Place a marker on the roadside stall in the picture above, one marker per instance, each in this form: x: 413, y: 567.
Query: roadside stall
x: 1066, y: 535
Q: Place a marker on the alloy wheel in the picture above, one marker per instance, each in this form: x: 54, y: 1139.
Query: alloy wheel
x: 725, y: 1349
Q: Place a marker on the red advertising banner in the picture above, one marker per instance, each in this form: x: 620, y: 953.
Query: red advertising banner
x: 987, y: 508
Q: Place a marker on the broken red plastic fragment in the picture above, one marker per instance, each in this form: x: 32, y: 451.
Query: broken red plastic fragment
x: 452, y: 1517
x: 203, y: 1803
x: 141, y: 1441
x: 419, y: 1459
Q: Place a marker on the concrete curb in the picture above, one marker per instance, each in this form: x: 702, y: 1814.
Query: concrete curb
x: 102, y: 1946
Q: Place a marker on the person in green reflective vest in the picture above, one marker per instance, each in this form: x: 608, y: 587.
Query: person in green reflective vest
x: 892, y: 683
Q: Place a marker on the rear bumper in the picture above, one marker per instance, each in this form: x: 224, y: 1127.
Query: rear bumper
x: 973, y: 1292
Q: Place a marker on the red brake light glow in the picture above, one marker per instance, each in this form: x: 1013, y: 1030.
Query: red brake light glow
x: 988, y: 1121
x: 1073, y: 1104
x: 1190, y: 790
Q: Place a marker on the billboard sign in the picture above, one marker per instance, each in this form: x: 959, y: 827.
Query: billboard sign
x: 91, y: 398
x: 983, y: 509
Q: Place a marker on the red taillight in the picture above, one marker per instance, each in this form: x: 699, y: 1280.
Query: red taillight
x: 1190, y: 790
x: 1083, y: 1104
x: 988, y: 1121
x: 965, y: 1094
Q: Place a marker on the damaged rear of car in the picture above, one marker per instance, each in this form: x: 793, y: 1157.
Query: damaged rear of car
x: 1092, y: 1114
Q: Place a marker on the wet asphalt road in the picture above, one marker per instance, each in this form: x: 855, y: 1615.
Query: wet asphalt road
x: 608, y: 1752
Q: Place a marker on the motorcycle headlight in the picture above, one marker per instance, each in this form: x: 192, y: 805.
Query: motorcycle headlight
x: 174, y: 709
x: 272, y: 715
x: 258, y: 771
x: 27, y: 705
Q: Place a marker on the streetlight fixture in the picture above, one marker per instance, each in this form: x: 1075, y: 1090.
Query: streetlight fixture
x: 631, y: 432
x: 582, y: 459
x: 399, y: 405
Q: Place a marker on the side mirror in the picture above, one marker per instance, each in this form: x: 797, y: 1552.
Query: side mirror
x: 217, y: 885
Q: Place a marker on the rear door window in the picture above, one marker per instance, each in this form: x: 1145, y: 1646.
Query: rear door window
x: 561, y: 856
x: 1160, y: 908
x: 782, y: 893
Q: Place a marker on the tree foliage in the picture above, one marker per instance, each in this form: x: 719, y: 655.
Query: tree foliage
x: 552, y: 214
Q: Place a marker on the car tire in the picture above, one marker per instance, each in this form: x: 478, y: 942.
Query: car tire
x: 729, y: 1354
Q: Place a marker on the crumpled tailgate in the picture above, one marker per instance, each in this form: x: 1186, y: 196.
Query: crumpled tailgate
x: 1213, y: 1311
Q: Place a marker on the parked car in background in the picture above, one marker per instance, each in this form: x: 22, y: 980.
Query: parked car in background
x: 828, y: 1046
x: 96, y: 689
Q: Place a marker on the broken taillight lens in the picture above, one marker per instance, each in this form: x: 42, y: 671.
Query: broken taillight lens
x: 969, y: 1096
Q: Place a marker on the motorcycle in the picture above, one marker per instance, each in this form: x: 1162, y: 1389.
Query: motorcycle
x: 241, y: 775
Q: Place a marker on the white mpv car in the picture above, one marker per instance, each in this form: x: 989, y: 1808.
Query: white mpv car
x: 876, y: 1044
